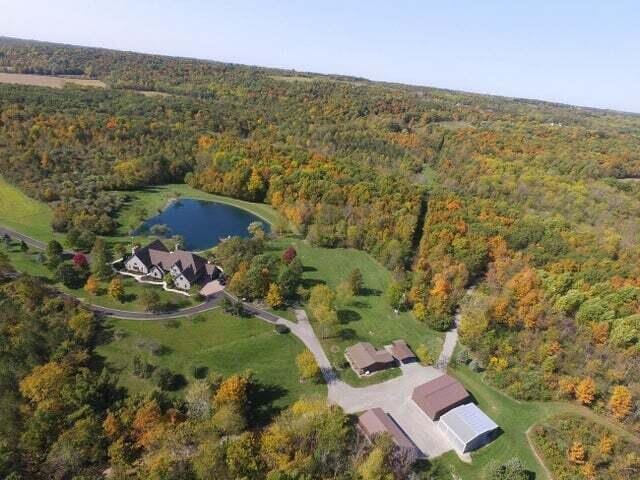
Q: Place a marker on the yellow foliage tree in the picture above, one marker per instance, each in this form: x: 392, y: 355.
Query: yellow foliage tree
x: 307, y: 365
x: 148, y: 425
x: 620, y: 402
x: 498, y: 364
x: 586, y: 391
x: 606, y: 444
x: 420, y: 311
x: 588, y: 471
x: 274, y: 297
x: 91, y: 287
x: 116, y: 289
x: 576, y: 453
x: 232, y: 390
x: 600, y: 333
x: 82, y: 324
x: 567, y: 386
x: 44, y: 384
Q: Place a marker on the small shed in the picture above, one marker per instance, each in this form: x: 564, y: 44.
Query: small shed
x: 468, y: 428
x: 401, y: 351
x: 440, y: 395
x: 376, y: 422
x: 365, y: 359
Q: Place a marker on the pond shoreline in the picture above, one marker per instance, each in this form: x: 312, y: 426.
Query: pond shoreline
x: 202, y: 223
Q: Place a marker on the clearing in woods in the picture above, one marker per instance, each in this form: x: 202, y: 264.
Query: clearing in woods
x: 48, y: 80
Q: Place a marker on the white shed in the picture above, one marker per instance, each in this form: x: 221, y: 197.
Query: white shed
x: 467, y: 427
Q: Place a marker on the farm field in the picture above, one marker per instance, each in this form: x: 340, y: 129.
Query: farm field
x: 221, y: 343
x: 369, y: 318
x: 48, y: 80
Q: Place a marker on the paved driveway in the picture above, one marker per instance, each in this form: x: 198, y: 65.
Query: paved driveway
x: 394, y: 397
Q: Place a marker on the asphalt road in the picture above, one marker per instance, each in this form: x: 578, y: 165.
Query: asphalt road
x: 32, y: 242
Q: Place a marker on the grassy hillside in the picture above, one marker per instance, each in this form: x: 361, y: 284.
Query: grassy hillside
x: 369, y: 318
x: 221, y: 343
x: 24, y: 214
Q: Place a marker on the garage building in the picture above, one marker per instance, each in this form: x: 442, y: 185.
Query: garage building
x: 440, y: 395
x: 468, y: 428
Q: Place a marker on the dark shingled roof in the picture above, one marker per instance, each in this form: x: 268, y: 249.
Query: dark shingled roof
x: 190, y: 264
x: 362, y: 356
x: 438, y: 396
x: 376, y: 422
x: 401, y: 351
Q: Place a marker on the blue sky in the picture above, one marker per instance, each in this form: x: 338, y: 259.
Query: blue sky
x: 580, y: 52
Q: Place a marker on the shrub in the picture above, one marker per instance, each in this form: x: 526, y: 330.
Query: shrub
x: 475, y: 366
x: 282, y: 329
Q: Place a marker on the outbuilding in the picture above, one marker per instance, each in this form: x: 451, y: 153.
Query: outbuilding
x: 440, y: 395
x: 365, y: 359
x: 376, y: 422
x: 401, y: 352
x: 468, y: 428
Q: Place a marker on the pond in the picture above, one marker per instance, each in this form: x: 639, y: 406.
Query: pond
x: 201, y: 223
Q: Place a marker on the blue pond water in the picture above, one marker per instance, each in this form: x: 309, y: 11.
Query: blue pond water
x: 203, y: 224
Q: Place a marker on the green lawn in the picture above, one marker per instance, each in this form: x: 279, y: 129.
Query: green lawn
x: 515, y: 418
x: 24, y: 214
x: 147, y: 202
x: 222, y: 343
x: 369, y: 318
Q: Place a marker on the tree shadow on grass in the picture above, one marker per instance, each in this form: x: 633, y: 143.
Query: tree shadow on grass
x: 312, y: 282
x: 262, y: 410
x: 348, y: 316
x: 348, y: 334
x: 370, y: 292
x: 309, y: 269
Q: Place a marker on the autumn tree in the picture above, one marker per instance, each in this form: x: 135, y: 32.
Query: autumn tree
x: 43, y: 386
x: 274, y: 297
x: 91, y: 287
x: 289, y: 254
x: 307, y: 365
x: 576, y: 453
x: 620, y: 402
x: 232, y: 390
x: 585, y: 391
x: 116, y: 289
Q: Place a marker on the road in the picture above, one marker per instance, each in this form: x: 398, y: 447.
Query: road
x: 32, y: 242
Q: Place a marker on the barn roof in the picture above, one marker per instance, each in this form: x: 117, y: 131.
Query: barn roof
x: 468, y: 422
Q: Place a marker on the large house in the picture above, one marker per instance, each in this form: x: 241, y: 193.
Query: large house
x: 186, y: 268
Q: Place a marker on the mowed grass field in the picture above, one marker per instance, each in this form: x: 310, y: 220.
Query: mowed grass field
x: 24, y: 214
x: 220, y: 342
x: 369, y: 318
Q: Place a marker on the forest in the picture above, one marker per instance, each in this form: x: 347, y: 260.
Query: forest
x: 530, y: 207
